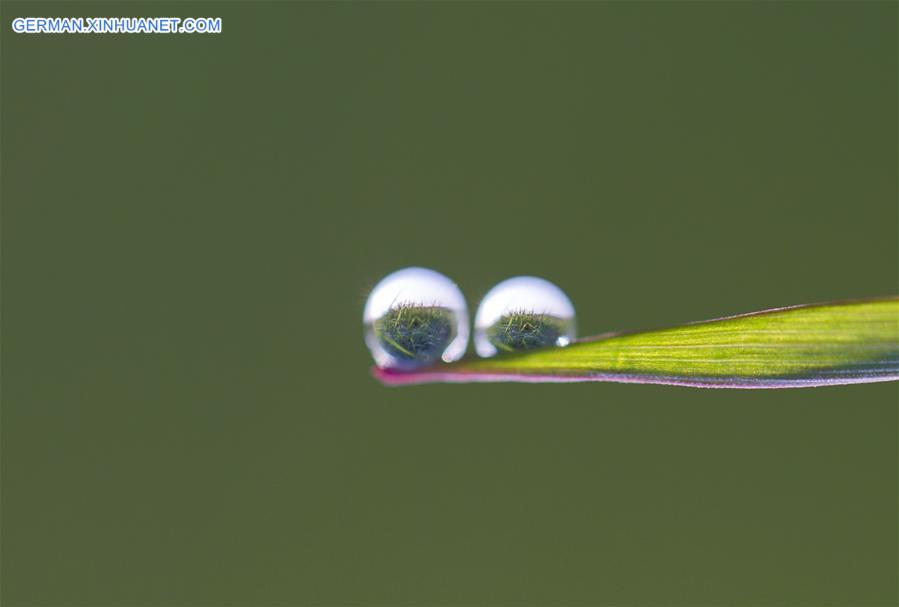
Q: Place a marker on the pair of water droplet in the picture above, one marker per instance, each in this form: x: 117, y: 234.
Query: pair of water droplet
x: 415, y: 317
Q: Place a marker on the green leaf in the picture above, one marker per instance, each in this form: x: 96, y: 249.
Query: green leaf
x: 814, y: 345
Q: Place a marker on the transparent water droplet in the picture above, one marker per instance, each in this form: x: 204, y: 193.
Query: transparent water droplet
x: 522, y: 313
x: 415, y: 317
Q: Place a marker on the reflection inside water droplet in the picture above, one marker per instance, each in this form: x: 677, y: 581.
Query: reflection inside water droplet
x: 415, y: 317
x: 522, y: 313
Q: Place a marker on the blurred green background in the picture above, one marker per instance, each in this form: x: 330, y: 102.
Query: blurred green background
x: 191, y: 225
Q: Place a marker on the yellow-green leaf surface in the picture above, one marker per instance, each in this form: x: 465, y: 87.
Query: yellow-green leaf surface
x: 814, y: 345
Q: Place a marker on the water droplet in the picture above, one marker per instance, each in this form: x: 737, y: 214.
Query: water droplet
x: 415, y: 317
x: 522, y: 313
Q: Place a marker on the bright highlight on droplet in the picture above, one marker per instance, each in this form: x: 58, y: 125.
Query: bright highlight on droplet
x: 522, y: 313
x: 415, y: 317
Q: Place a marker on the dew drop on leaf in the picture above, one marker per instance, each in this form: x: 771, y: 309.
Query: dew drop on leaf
x: 522, y: 313
x: 415, y: 317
